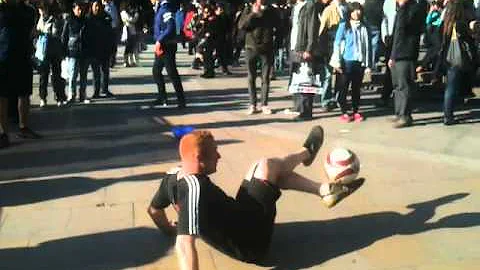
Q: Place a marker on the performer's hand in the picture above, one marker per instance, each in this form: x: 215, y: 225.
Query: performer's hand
x: 391, y: 63
x: 338, y: 70
x: 307, y: 56
x: 368, y: 71
x: 419, y: 69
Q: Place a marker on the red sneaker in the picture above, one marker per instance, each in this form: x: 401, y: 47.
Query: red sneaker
x: 345, y: 118
x: 357, y: 117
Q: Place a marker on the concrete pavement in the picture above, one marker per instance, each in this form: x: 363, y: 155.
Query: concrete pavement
x: 77, y: 198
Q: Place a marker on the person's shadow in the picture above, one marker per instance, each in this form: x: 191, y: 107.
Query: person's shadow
x: 299, y: 245
x: 111, y: 250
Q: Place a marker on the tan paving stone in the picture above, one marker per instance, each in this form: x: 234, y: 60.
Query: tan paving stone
x: 105, y: 217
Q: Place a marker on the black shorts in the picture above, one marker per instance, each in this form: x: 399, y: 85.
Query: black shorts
x: 258, y: 198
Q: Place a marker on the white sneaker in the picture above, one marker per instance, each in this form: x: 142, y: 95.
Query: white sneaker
x: 251, y: 110
x: 86, y: 101
x: 59, y: 104
x: 266, y: 110
x: 43, y: 103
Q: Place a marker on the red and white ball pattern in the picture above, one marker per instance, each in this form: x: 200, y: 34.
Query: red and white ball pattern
x: 342, y: 165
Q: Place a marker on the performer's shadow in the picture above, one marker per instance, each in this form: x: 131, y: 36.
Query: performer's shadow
x: 299, y: 245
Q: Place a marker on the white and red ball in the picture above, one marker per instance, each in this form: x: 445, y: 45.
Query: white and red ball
x: 342, y: 165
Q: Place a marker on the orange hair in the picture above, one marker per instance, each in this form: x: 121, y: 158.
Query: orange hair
x: 195, y: 142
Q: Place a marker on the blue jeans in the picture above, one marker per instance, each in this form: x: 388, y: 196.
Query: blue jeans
x: 457, y: 81
x: 327, y: 97
x: 77, y: 66
x: 279, y: 61
x: 375, y: 40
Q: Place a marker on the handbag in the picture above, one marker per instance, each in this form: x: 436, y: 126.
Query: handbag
x: 41, y: 47
x: 305, y: 80
x: 459, y: 53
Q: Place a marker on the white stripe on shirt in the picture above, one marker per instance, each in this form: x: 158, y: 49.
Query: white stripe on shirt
x: 193, y: 198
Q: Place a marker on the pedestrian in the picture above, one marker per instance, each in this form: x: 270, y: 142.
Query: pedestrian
x: 242, y: 226
x: 102, y: 40
x: 74, y: 39
x: 50, y: 26
x: 258, y: 20
x: 403, y: 59
x: 17, y: 22
x: 111, y: 9
x: 165, y: 50
x: 354, y: 58
x: 458, y: 58
x: 129, y: 15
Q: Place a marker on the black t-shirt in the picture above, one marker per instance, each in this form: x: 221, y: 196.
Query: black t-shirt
x: 206, y: 211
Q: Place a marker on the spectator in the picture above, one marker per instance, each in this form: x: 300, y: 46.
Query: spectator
x: 102, y: 38
x: 50, y: 24
x: 111, y: 9
x: 17, y: 21
x: 351, y: 62
x: 223, y: 30
x: 74, y: 38
x: 165, y: 49
x: 458, y: 57
x: 129, y: 15
x: 258, y: 20
x: 432, y: 37
x: 179, y: 19
x: 331, y: 17
x: 373, y: 14
x: 280, y: 42
x: 406, y: 43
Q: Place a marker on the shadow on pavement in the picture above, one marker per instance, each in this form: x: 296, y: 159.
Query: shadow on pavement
x: 299, y: 245
x: 26, y: 192
x: 103, y: 251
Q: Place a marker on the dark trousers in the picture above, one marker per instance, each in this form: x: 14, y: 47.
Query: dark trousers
x: 403, y: 78
x: 387, y: 83
x: 117, y: 32
x: 208, y: 61
x: 168, y: 61
x: 53, y: 65
x: 352, y: 74
x: 458, y: 80
x: 101, y: 75
x: 222, y: 54
x: 266, y: 62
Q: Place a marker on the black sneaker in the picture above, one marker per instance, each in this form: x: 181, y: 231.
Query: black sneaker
x: 109, y: 94
x: 27, y: 133
x: 4, y: 141
x: 313, y: 143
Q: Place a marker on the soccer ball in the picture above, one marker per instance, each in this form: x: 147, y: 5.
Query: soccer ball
x: 342, y: 165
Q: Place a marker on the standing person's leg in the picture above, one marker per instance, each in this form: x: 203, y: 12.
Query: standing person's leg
x: 96, y: 78
x: 357, y: 79
x: 266, y: 59
x: 73, y: 66
x: 159, y: 80
x: 208, y: 62
x: 105, y: 75
x: 252, y: 76
x: 389, y: 83
x: 3, y: 122
x: 116, y: 35
x: 171, y: 67
x: 57, y: 81
x: 453, y: 82
x: 83, y: 70
x: 44, y: 70
x: 404, y: 78
x: 342, y: 84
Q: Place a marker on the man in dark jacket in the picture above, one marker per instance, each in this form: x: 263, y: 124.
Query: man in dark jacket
x: 258, y: 20
x: 74, y: 38
x: 101, y: 36
x: 17, y: 21
x: 165, y: 49
x: 406, y: 41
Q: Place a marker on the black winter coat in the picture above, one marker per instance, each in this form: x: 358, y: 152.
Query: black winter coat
x: 74, y: 37
x: 406, y: 32
x: 100, y: 36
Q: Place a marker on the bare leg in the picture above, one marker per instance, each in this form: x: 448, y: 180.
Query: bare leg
x: 3, y: 115
x: 23, y: 110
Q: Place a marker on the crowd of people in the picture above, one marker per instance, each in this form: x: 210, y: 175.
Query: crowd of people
x: 326, y: 46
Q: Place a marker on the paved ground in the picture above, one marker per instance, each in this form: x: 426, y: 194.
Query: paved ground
x: 77, y: 198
